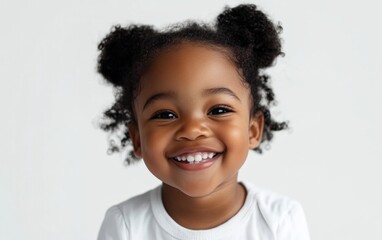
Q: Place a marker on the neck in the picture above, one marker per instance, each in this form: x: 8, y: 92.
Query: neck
x: 207, y: 211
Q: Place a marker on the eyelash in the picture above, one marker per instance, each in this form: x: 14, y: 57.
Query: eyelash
x: 226, y: 110
x: 156, y: 114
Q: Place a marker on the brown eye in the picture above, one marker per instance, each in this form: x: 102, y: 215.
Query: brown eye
x: 163, y: 115
x: 218, y: 110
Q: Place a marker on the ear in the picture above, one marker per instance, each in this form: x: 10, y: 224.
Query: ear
x: 256, y: 125
x: 135, y: 139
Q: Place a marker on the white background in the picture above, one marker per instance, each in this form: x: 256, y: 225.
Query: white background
x: 56, y: 180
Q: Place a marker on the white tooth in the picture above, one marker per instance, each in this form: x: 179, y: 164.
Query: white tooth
x: 190, y: 158
x: 184, y: 158
x: 205, y: 155
x: 198, y: 157
x: 210, y: 155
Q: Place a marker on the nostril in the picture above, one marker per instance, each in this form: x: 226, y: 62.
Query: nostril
x: 192, y: 132
x: 190, y: 138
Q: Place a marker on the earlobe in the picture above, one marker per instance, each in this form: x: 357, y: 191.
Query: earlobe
x: 256, y: 126
x: 135, y: 139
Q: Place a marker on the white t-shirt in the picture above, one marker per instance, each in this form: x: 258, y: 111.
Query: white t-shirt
x: 265, y: 215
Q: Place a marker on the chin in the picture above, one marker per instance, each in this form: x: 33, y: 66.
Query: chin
x: 196, y: 190
x: 196, y: 194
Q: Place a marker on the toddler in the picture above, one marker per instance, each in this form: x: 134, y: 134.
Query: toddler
x: 191, y: 101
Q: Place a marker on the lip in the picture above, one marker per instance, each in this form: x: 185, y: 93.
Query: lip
x: 196, y: 166
x: 191, y: 150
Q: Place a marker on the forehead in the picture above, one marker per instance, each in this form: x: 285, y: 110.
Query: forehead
x: 189, y: 70
x: 187, y: 60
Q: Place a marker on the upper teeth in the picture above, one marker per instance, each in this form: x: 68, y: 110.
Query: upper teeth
x: 195, y: 157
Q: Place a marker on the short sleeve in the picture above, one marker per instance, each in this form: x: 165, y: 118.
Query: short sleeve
x: 113, y: 226
x: 293, y: 225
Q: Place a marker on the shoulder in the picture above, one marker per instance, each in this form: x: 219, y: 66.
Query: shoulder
x: 274, y: 206
x: 118, y: 219
x: 137, y: 204
x: 283, y: 214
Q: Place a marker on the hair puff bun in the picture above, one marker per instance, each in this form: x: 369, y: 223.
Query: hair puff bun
x: 250, y: 28
x: 119, y: 50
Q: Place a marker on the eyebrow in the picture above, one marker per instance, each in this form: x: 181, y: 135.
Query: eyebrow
x: 156, y: 97
x: 206, y: 92
x: 220, y: 90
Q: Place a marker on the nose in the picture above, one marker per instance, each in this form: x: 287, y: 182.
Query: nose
x: 191, y: 129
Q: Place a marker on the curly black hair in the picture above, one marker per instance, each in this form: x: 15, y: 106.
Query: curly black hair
x: 247, y: 33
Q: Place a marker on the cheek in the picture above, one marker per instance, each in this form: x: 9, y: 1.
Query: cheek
x: 154, y: 143
x: 235, y: 132
x: 236, y: 137
x: 151, y: 157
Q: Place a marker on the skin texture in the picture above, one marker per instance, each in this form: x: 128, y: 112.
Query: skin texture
x: 208, y: 197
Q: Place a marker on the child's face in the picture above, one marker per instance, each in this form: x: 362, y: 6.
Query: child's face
x: 185, y: 118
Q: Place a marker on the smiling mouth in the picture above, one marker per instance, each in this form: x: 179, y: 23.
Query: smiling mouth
x: 195, y: 158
